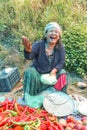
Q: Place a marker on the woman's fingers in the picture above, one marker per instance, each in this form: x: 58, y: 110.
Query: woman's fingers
x: 26, y: 43
x: 53, y: 72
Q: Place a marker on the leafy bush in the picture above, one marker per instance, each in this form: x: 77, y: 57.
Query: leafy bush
x: 75, y: 39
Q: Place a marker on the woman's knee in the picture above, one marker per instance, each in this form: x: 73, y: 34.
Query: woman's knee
x: 62, y: 71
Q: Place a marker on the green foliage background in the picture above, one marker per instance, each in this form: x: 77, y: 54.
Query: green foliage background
x: 29, y: 17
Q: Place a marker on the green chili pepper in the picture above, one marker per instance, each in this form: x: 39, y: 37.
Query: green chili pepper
x: 22, y: 123
x: 27, y: 127
x: 14, y: 113
x: 37, y: 123
x: 16, y: 109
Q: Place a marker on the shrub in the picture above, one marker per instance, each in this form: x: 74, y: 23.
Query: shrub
x: 75, y: 39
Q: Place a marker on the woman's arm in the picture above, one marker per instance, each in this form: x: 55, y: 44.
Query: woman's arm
x: 32, y: 50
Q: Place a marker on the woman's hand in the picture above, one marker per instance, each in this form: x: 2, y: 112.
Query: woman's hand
x: 26, y: 43
x: 53, y: 72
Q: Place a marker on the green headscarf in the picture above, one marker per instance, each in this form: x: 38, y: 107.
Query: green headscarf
x: 51, y: 25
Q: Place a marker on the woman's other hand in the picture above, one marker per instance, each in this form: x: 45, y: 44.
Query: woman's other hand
x: 53, y: 72
x: 26, y: 43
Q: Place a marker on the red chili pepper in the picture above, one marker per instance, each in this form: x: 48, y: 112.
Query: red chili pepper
x: 13, y: 101
x: 31, y: 110
x: 1, y: 109
x: 25, y: 118
x: 5, y: 114
x: 33, y: 118
x: 7, y: 120
x: 46, y: 122
x: 43, y: 127
x: 16, y: 118
x: 44, y: 112
x: 18, y: 128
x: 11, y: 129
x: 69, y: 120
x: 60, y: 127
x: 25, y: 110
x: 7, y: 103
x: 37, y: 115
x: 1, y: 118
x: 3, y: 122
x: 3, y: 103
x: 10, y: 106
x: 55, y: 127
x: 50, y: 128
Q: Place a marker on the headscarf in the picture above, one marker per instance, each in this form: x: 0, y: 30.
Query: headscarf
x: 51, y: 25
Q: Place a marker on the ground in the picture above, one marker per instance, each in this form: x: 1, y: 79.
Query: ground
x: 73, y: 88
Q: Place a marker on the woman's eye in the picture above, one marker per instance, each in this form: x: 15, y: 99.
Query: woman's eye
x: 56, y: 32
x: 52, y: 31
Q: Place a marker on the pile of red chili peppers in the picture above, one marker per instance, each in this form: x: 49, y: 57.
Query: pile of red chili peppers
x: 14, y: 116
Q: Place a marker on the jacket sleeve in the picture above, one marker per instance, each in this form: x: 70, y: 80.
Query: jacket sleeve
x: 61, y: 62
x: 33, y: 53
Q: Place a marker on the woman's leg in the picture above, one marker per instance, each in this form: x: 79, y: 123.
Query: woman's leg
x: 32, y: 84
x: 31, y: 81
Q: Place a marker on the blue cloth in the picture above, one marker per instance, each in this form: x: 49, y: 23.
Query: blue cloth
x: 40, y: 59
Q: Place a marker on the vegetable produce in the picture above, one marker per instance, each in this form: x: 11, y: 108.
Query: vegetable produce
x: 63, y: 122
x: 78, y: 126
x: 84, y: 118
x: 68, y: 128
x: 84, y: 122
x: 14, y: 116
x: 84, y: 128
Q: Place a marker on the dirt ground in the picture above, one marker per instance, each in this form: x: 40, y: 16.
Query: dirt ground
x: 17, y: 91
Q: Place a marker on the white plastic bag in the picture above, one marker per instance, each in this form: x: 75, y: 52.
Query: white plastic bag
x: 48, y: 79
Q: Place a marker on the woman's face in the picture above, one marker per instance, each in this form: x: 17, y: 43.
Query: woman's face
x: 52, y: 35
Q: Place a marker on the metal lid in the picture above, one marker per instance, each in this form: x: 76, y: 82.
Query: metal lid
x: 59, y: 104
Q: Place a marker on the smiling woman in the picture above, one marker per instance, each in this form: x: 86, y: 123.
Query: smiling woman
x: 48, y: 56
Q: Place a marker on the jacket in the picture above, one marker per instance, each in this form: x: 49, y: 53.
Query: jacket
x: 40, y: 60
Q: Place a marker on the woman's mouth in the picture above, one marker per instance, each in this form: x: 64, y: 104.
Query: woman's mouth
x: 52, y: 37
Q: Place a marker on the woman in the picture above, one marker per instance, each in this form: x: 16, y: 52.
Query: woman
x: 48, y: 56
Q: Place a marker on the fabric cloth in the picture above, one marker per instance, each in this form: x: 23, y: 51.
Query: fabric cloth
x: 40, y: 59
x: 32, y: 83
x: 61, y: 82
x: 51, y: 25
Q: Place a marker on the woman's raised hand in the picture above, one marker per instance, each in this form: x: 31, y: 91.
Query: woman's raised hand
x: 26, y: 43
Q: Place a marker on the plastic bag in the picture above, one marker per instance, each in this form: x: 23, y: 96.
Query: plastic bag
x: 37, y: 100
x: 33, y: 101
x: 48, y: 79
